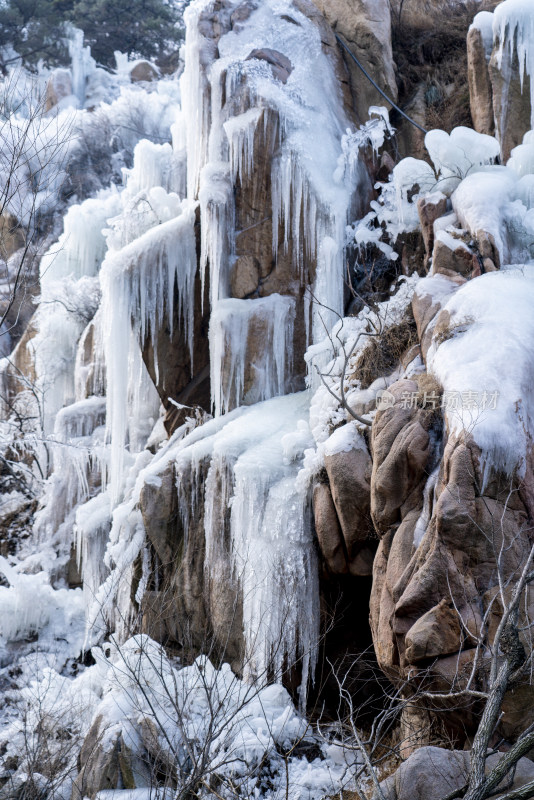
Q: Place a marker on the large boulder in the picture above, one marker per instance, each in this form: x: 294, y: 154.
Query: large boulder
x: 348, y: 467
x: 432, y: 773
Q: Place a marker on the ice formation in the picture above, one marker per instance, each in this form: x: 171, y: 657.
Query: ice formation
x: 245, y: 733
x: 237, y: 330
x: 127, y: 265
x: 513, y: 29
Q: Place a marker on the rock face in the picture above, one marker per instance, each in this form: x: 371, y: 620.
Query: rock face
x: 365, y: 27
x: 342, y: 505
x: 480, y: 88
x: 183, y: 607
x: 185, y: 379
x: 434, y: 563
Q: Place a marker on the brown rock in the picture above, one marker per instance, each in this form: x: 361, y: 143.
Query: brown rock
x: 241, y: 14
x: 90, y: 364
x: 280, y: 64
x: 361, y: 564
x: 411, y: 141
x: 452, y: 257
x: 480, y: 91
x: 349, y: 475
x: 143, y: 72
x: 58, y: 87
x: 366, y: 30
x: 488, y: 250
x: 328, y: 530
x: 401, y: 447
x: 185, y: 607
x: 432, y: 773
x: 12, y: 236
x: 107, y: 768
x: 245, y: 276
x: 430, y: 208
x: 436, y: 633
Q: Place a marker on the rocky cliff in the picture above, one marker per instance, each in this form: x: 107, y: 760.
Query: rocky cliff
x: 276, y: 412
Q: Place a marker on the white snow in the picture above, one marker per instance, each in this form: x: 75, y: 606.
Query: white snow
x: 490, y: 350
x: 483, y: 21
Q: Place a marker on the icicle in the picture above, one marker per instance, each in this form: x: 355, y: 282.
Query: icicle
x: 78, y: 428
x: 138, y: 288
x: 155, y: 165
x: 91, y: 527
x: 513, y: 28
x: 421, y: 525
x: 217, y: 214
x: 234, y: 325
x: 82, y: 63
x: 254, y: 463
x: 240, y: 131
x: 196, y: 95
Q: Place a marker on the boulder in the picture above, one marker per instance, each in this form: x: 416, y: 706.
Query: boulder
x: 402, y: 449
x: 328, y: 530
x: 432, y: 773
x: 452, y: 256
x: 59, y: 87
x: 480, y: 90
x: 436, y: 633
x: 348, y: 466
x: 106, y: 763
x: 143, y: 71
x: 430, y: 208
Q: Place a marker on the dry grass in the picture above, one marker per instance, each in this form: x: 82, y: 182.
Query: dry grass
x: 384, y: 352
x: 429, y: 48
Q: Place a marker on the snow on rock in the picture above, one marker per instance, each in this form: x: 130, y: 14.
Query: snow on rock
x: 242, y: 732
x: 488, y: 352
x: 30, y: 607
x: 483, y: 21
x: 457, y: 154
